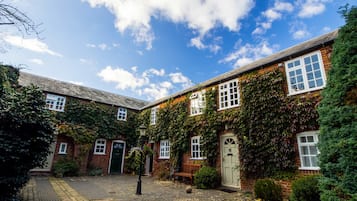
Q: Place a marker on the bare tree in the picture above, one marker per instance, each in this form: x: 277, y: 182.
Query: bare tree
x: 12, y: 16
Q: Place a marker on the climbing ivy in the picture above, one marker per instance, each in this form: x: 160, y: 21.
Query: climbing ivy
x: 266, y: 146
x: 87, y: 121
x: 265, y: 124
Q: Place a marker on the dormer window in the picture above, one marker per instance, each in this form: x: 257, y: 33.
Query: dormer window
x: 198, y: 102
x: 55, y: 102
x: 305, y: 73
x: 122, y: 114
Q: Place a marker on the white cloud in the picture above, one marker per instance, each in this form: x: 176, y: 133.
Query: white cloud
x: 272, y: 14
x: 32, y: 44
x: 200, y: 16
x: 300, y: 34
x: 196, y: 42
x: 326, y: 29
x: 141, y: 53
x: 248, y: 53
x: 36, y: 61
x: 124, y: 79
x: 152, y: 83
x: 85, y: 61
x: 91, y: 45
x: 299, y: 30
x: 309, y: 8
x: 134, y: 69
x: 156, y: 72
x: 103, y: 46
x: 214, y: 47
x: 180, y: 78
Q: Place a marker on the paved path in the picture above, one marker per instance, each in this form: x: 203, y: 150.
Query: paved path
x: 118, y: 188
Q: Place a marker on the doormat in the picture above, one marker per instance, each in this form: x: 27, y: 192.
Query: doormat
x: 227, y: 189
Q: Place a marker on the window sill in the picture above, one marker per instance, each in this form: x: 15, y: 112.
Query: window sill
x: 305, y: 91
x: 309, y: 168
x: 192, y: 115
x: 163, y: 158
x: 226, y: 108
x: 102, y: 154
x: 198, y: 158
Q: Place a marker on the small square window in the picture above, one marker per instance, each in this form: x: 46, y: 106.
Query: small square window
x: 55, y: 102
x: 305, y: 73
x: 99, y: 147
x: 308, y: 151
x: 164, y: 149
x: 62, y: 148
x: 122, y: 114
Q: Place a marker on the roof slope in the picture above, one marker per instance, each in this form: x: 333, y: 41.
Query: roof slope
x: 275, y: 58
x: 77, y: 91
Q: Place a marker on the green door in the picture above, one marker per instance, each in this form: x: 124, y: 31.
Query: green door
x: 116, y: 162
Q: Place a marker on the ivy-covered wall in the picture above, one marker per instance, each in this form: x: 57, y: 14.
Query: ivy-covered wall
x: 266, y: 123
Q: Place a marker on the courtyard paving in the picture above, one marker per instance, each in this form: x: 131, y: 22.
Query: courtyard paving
x: 118, y: 188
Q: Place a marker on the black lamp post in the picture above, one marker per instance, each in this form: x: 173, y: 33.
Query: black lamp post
x: 142, y: 138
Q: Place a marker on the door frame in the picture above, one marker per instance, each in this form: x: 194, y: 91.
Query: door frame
x: 111, y: 154
x: 221, y: 149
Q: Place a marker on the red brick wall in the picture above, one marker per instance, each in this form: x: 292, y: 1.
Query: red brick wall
x: 70, y: 148
x: 101, y: 161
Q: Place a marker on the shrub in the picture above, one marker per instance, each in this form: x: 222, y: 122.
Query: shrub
x: 65, y: 167
x: 305, y: 189
x: 206, y: 178
x: 26, y: 132
x: 163, y: 170
x: 267, y: 190
x: 95, y: 171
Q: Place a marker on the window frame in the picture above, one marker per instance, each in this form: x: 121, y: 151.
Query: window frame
x: 60, y: 151
x: 122, y: 114
x: 197, y: 102
x: 164, y: 149
x: 55, y: 102
x: 315, y: 135
x: 199, y: 146
x: 227, y: 90
x: 103, y: 147
x: 304, y: 73
x: 153, y: 115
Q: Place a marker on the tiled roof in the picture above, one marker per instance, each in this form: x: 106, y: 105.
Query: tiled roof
x: 281, y: 56
x: 77, y: 91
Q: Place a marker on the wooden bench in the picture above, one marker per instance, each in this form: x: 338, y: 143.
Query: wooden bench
x: 188, y: 171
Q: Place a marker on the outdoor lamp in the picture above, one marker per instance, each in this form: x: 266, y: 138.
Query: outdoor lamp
x: 142, y: 138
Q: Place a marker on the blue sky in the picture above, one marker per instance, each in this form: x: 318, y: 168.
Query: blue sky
x: 149, y: 49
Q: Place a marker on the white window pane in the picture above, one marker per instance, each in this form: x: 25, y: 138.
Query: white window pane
x: 306, y: 161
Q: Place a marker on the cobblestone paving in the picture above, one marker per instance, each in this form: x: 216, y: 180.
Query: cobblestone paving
x: 119, y: 188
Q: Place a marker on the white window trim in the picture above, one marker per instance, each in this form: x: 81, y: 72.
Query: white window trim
x: 54, y: 98
x: 122, y: 112
x: 199, y: 138
x: 60, y: 148
x: 153, y: 115
x: 315, y: 135
x: 96, y: 144
x: 162, y: 149
x: 200, y: 97
x: 304, y: 74
x: 229, y: 99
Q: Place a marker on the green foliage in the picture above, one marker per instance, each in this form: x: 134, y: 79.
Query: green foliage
x: 162, y: 171
x: 87, y: 121
x: 305, y: 189
x: 207, y: 178
x: 267, y: 190
x: 137, y: 157
x: 26, y: 132
x: 65, y: 167
x: 95, y: 171
x: 263, y: 126
x: 338, y: 117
